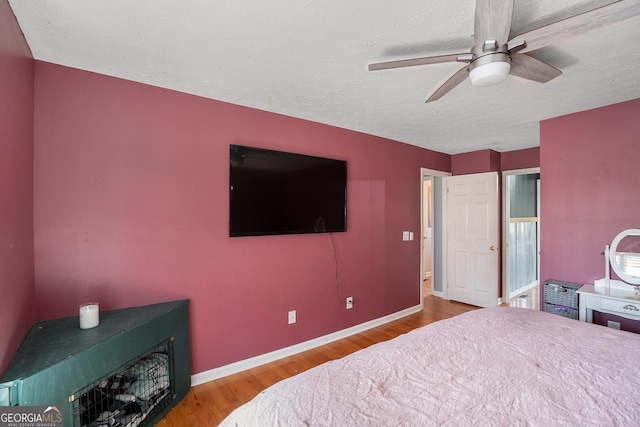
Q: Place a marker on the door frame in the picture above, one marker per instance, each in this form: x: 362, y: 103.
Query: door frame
x: 426, y: 173
x: 506, y: 213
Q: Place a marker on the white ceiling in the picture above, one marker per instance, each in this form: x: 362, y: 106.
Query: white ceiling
x: 308, y: 59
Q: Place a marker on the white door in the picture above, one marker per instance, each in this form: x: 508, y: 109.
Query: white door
x: 472, y: 239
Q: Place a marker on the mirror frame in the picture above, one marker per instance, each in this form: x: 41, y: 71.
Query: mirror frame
x: 633, y: 280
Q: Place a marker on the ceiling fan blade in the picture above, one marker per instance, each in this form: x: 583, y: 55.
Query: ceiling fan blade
x: 492, y: 21
x: 579, y: 24
x: 530, y: 68
x: 416, y: 61
x: 455, y: 80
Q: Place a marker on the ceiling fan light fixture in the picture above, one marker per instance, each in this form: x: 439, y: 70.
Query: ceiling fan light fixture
x: 490, y: 73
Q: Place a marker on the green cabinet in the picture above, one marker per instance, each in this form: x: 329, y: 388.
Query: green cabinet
x: 58, y: 360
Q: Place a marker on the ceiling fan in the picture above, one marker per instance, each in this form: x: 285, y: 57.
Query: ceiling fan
x: 494, y: 55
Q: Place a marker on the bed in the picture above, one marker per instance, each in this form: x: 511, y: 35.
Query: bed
x: 488, y: 367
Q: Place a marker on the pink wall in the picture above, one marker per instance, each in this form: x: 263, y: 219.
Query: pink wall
x: 475, y: 162
x: 492, y: 161
x: 16, y: 186
x: 520, y: 159
x: 589, y: 188
x: 131, y: 208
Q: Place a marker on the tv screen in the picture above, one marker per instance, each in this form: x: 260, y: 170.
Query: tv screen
x: 274, y: 192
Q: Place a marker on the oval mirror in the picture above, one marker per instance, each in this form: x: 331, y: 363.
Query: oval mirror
x: 625, y: 256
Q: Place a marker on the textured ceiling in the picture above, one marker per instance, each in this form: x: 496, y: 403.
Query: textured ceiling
x: 309, y: 58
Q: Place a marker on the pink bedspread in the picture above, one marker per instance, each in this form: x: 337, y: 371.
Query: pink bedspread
x: 489, y: 367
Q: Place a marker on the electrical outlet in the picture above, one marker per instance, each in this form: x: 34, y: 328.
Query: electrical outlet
x: 349, y: 302
x: 292, y: 317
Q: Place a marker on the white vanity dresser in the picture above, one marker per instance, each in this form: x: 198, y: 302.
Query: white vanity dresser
x: 618, y: 297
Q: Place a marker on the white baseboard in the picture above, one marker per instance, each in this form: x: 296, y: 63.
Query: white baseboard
x: 242, y: 365
x: 438, y: 294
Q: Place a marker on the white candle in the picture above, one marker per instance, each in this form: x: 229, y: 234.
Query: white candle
x: 89, y: 315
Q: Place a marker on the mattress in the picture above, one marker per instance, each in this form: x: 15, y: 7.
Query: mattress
x: 488, y: 367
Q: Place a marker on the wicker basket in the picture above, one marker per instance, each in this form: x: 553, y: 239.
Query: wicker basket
x: 557, y: 292
x: 560, y: 310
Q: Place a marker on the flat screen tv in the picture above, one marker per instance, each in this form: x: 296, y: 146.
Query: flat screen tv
x: 274, y: 192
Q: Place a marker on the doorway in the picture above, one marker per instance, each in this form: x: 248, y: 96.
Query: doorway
x: 435, y: 211
x: 521, y: 232
x: 432, y: 224
x: 427, y: 234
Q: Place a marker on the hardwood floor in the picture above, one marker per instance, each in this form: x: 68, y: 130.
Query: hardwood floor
x: 208, y: 404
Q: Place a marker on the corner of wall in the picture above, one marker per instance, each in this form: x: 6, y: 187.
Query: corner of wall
x: 16, y: 186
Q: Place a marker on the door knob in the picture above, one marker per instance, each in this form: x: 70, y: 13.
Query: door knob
x: 492, y: 248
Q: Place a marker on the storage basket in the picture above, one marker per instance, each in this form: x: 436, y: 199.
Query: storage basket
x: 561, y: 310
x: 557, y: 292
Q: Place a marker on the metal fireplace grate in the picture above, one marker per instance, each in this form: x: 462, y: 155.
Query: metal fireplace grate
x: 135, y: 392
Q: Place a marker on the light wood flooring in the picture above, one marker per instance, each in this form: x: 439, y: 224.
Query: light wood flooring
x: 208, y: 404
x: 528, y: 299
